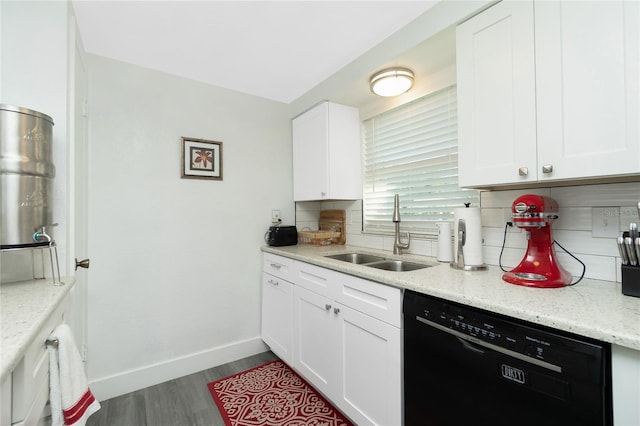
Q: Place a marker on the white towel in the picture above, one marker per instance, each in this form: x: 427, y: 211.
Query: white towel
x: 71, y: 399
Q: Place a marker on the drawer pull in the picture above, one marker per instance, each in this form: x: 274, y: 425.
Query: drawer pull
x: 327, y: 307
x: 336, y: 311
x: 273, y: 282
x: 276, y: 265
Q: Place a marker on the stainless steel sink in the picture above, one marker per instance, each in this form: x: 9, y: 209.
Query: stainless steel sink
x: 358, y: 258
x: 397, y: 265
x: 378, y: 262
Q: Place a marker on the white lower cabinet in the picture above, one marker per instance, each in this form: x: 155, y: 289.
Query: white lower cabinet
x: 351, y: 357
x: 277, y: 305
x: 626, y: 385
x: 369, y: 380
x: 315, y: 353
x: 277, y: 316
x: 347, y: 340
x: 29, y: 383
x: 346, y: 336
x: 5, y: 401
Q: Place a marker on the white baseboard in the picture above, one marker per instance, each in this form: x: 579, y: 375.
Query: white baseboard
x: 128, y: 381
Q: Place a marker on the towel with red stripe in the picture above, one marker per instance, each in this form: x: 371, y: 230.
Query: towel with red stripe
x: 71, y: 399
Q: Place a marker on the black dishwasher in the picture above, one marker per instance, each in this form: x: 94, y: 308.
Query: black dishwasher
x: 466, y: 366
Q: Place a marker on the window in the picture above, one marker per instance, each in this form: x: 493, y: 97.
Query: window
x: 412, y: 151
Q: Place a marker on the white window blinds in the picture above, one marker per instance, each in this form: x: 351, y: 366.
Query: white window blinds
x: 412, y: 150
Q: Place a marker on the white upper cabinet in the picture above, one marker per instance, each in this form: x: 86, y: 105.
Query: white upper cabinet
x: 496, y: 96
x: 587, y: 88
x: 326, y: 153
x: 548, y: 91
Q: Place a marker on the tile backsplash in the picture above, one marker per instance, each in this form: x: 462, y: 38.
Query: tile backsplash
x: 573, y: 229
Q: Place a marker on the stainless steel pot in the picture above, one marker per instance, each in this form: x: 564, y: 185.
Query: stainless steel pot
x: 26, y: 175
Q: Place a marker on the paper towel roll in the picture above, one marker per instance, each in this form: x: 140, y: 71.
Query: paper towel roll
x: 472, y: 248
x: 445, y: 249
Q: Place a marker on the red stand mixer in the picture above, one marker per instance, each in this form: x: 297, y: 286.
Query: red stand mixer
x: 539, y: 267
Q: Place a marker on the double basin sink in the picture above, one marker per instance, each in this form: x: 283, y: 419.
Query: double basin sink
x: 378, y: 262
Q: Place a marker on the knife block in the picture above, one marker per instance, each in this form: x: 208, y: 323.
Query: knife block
x: 631, y: 280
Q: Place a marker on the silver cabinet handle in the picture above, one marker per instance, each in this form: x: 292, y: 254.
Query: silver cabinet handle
x: 547, y: 168
x: 276, y: 265
x: 336, y: 311
x: 327, y: 307
x: 323, y: 194
x: 273, y: 282
x: 523, y: 171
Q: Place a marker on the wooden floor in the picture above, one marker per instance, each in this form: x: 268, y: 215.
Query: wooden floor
x: 180, y: 402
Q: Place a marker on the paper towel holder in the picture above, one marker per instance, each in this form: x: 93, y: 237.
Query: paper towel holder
x: 458, y: 261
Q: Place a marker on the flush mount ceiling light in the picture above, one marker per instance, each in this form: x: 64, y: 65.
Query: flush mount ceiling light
x: 391, y: 81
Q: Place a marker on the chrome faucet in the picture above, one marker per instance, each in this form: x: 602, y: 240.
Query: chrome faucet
x: 397, y: 245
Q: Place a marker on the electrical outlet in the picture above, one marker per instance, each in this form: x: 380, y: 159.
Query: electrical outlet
x: 628, y: 215
x: 275, y: 216
x: 605, y: 222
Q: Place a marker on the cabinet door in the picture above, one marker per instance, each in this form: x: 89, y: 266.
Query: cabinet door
x: 626, y: 385
x: 326, y: 153
x: 345, y: 169
x: 587, y: 88
x: 496, y: 96
x: 369, y: 386
x: 277, y: 316
x: 310, y: 132
x: 315, y: 339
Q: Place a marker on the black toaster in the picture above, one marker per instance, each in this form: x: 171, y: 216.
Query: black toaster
x: 279, y: 235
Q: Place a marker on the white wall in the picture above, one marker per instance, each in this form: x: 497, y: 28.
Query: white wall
x: 174, y: 284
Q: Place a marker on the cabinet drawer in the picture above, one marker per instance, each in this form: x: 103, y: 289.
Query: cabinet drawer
x: 31, y: 377
x: 316, y: 279
x: 377, y: 300
x: 278, y: 266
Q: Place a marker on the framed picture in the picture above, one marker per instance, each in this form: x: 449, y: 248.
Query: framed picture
x: 201, y: 159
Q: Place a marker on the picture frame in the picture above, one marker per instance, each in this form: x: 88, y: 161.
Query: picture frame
x: 200, y: 159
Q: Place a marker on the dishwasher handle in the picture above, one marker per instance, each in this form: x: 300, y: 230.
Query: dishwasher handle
x: 470, y: 346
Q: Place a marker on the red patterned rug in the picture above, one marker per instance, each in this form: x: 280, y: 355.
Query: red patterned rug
x: 272, y: 395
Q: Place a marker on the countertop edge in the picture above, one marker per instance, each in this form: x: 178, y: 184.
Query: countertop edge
x: 19, y: 331
x: 589, y: 321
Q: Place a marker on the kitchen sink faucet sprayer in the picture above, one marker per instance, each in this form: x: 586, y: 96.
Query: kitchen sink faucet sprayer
x: 397, y: 245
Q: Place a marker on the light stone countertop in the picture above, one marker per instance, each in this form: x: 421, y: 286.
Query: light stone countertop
x: 591, y: 308
x: 25, y: 306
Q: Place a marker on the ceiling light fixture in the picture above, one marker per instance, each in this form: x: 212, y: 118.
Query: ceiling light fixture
x: 391, y: 81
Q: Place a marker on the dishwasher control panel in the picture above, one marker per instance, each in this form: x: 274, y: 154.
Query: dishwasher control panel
x: 550, y: 346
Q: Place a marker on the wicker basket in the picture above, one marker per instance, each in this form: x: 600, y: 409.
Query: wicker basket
x: 331, y: 229
x: 318, y: 238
